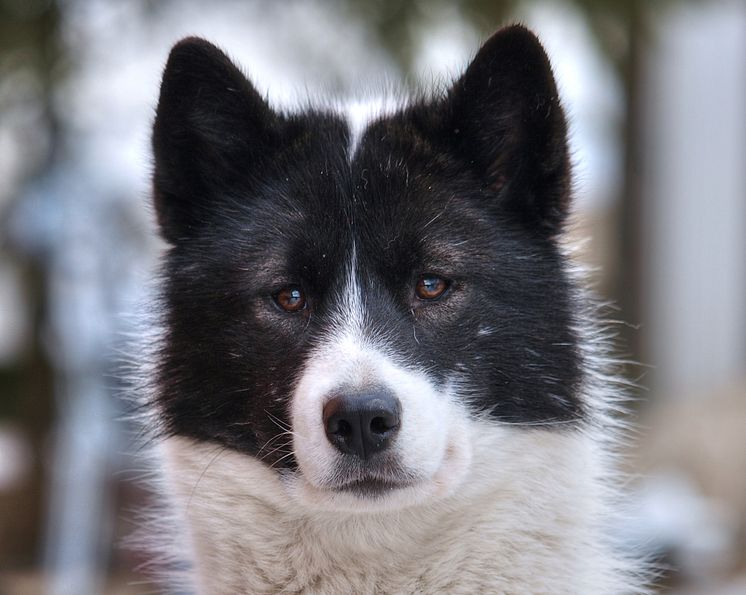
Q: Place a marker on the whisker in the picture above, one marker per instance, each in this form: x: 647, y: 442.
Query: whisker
x: 282, y: 458
x: 541, y: 423
x: 281, y: 424
x: 274, y: 450
x: 221, y: 450
x: 272, y: 439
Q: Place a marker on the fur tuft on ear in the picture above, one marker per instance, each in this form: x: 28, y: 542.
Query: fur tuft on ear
x: 506, y: 119
x: 211, y: 128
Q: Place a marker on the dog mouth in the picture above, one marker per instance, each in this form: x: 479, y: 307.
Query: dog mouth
x: 372, y: 479
x: 372, y: 487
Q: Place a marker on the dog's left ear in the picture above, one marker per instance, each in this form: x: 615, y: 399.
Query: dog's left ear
x: 505, y: 118
x: 212, y: 131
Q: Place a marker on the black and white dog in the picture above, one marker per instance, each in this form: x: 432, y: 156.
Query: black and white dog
x: 375, y: 372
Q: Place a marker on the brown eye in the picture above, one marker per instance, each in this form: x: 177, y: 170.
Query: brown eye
x: 291, y: 299
x: 431, y: 287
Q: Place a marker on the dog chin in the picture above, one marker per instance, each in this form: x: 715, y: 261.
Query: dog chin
x: 366, y: 497
x: 376, y: 495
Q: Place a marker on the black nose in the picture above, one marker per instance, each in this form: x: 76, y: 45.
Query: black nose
x: 362, y: 424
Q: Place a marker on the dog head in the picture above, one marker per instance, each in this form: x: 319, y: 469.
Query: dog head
x: 355, y: 307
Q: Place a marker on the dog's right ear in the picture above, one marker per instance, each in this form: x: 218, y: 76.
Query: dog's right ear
x: 505, y: 120
x: 212, y: 129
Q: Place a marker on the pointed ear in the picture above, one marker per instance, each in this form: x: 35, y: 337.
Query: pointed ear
x: 211, y: 130
x: 506, y: 119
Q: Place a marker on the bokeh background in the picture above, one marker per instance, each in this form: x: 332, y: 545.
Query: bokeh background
x: 656, y: 93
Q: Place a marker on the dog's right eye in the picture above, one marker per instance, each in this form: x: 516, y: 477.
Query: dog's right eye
x: 430, y: 287
x: 290, y: 299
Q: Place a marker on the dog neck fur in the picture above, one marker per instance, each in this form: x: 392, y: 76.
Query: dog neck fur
x: 504, y: 528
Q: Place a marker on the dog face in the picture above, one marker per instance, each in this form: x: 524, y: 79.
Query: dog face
x: 352, y: 308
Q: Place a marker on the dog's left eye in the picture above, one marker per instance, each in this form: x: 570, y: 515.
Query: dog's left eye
x: 291, y: 299
x: 431, y: 287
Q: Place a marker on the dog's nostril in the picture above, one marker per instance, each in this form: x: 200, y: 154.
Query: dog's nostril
x: 362, y: 424
x: 343, y: 428
x: 381, y: 425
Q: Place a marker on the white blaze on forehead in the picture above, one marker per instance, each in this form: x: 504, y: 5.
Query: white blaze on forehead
x: 360, y: 113
x: 350, y: 307
x: 348, y: 350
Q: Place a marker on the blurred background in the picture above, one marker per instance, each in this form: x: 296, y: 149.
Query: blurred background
x: 656, y: 94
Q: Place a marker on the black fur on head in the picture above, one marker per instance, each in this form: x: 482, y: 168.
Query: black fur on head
x: 473, y: 185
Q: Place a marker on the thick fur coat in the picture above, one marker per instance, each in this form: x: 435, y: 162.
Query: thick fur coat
x: 374, y: 369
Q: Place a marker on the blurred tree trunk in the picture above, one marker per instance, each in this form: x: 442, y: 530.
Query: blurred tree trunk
x: 631, y: 247
x: 30, y: 30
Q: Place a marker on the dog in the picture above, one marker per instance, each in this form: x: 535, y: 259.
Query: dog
x: 375, y: 368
